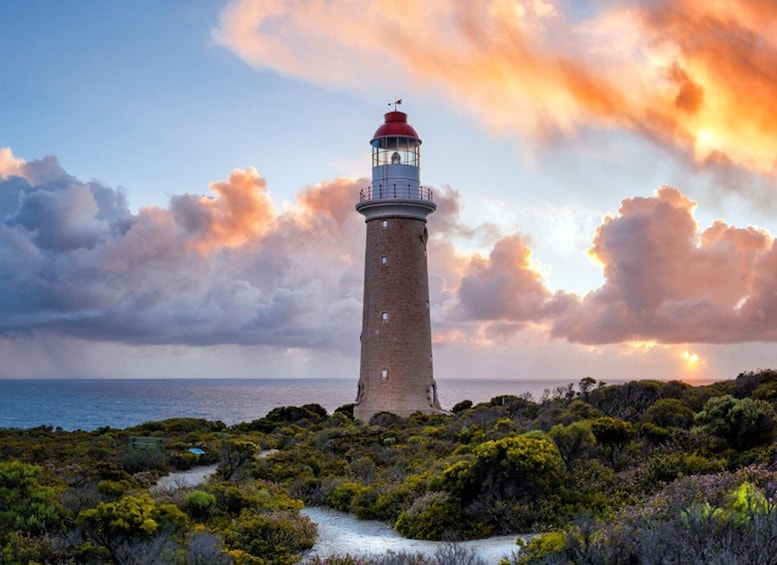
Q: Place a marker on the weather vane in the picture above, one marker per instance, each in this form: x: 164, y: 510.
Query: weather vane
x: 395, y: 103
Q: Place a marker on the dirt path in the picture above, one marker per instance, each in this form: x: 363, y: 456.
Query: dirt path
x: 190, y: 478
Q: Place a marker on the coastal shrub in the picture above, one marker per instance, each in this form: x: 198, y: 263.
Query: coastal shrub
x: 199, y: 505
x: 342, y: 495
x: 743, y: 423
x: 669, y: 413
x: 235, y: 454
x: 506, y: 485
x: 21, y: 548
x: 178, y: 426
x: 697, y: 520
x: 666, y: 465
x: 278, y: 537
x: 434, y: 516
x: 183, y: 460
x: 385, y: 420
x: 541, y: 547
x: 26, y: 505
x: 232, y: 498
x: 203, y: 547
x: 345, y: 410
x: 115, y: 489
x: 573, y: 440
x: 461, y: 406
x: 577, y: 410
x: 140, y: 460
x: 628, y: 401
x: 121, y: 526
x: 293, y: 414
x: 613, y: 434
x: 654, y: 434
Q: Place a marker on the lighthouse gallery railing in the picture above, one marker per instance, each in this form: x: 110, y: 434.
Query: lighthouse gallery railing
x: 385, y: 192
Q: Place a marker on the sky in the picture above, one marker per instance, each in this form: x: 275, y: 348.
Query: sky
x: 178, y: 180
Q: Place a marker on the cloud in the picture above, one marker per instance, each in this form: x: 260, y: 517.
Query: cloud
x: 505, y: 286
x: 670, y: 282
x: 232, y: 269
x: 221, y: 269
x: 695, y: 76
x: 667, y: 281
x: 241, y: 211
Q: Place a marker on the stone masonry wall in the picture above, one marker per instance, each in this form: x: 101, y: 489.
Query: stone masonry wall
x: 402, y: 344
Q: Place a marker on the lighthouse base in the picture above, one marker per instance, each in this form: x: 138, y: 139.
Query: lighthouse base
x: 381, y: 396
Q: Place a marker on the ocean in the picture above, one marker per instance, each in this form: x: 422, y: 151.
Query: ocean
x: 73, y: 404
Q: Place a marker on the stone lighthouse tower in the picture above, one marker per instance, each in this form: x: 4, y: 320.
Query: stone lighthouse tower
x: 396, y: 341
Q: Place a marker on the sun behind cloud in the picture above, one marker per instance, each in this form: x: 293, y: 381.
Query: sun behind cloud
x: 692, y: 360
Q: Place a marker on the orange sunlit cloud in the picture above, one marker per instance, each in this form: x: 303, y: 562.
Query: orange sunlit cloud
x: 698, y: 76
x: 241, y: 211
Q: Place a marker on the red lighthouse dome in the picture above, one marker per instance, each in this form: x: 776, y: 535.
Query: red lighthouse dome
x: 396, y: 125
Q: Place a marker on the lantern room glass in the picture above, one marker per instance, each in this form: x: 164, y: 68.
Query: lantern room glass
x: 396, y: 151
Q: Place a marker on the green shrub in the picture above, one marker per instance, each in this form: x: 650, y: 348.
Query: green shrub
x: 114, y: 489
x: 342, y: 495
x: 276, y: 538
x: 199, y: 504
x: 184, y: 460
x: 461, y: 406
x: 743, y: 423
x: 669, y: 413
x: 26, y: 505
x: 573, y: 441
x: 434, y: 516
x: 541, y: 547
x: 128, y: 521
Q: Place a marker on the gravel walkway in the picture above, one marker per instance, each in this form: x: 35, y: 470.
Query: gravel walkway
x: 190, y: 478
x: 340, y: 533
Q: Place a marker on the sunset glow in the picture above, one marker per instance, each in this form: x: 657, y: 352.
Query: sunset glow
x: 604, y: 176
x: 691, y: 359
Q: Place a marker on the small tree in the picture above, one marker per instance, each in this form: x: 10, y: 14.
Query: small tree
x: 572, y: 441
x: 613, y: 434
x: 235, y: 453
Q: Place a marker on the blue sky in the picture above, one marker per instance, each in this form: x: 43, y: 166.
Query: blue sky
x: 157, y: 100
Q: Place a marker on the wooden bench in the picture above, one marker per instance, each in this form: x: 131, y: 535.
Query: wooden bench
x: 145, y: 443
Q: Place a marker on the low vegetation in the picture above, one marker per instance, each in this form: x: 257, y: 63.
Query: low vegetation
x: 642, y: 472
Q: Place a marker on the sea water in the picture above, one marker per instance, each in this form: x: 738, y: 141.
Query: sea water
x: 73, y: 404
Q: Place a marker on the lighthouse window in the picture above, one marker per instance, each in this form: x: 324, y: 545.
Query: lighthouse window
x: 384, y: 316
x: 384, y: 375
x: 384, y: 260
x: 384, y: 224
x: 386, y: 149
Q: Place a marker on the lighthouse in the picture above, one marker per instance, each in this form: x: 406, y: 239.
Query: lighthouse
x: 396, y: 341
